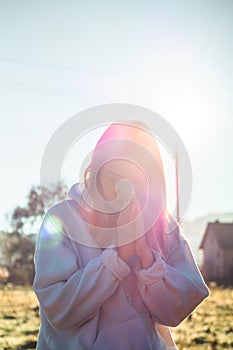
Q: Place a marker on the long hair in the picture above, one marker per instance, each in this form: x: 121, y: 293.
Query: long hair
x: 139, y: 133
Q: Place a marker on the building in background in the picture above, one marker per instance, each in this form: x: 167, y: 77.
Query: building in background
x: 217, y: 247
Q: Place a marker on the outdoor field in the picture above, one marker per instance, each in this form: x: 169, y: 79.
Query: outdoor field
x: 211, y: 325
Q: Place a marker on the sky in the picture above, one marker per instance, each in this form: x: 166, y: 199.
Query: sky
x: 58, y: 58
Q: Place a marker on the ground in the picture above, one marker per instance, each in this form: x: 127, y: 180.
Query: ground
x: 211, y: 325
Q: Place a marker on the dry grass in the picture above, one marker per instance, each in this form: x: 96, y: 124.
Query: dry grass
x: 19, y: 318
x: 211, y: 326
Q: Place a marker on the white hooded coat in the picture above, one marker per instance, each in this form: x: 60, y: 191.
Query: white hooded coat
x: 91, y: 299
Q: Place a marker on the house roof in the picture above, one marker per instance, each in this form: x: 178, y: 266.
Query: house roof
x: 223, y: 233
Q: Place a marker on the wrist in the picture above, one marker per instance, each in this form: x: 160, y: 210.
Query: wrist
x: 146, y: 258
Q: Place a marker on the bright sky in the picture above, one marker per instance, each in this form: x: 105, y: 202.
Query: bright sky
x: 174, y: 57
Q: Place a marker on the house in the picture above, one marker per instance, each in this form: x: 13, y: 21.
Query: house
x: 217, y: 247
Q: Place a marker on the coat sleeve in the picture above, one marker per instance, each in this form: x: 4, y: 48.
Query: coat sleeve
x: 172, y: 289
x: 69, y: 295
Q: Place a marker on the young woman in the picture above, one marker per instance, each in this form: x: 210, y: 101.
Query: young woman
x: 113, y: 271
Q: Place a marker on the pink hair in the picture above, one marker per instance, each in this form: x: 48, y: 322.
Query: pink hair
x: 138, y: 132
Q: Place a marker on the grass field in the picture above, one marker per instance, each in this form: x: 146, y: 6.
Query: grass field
x: 211, y: 326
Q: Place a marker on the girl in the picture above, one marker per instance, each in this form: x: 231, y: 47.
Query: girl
x: 113, y: 271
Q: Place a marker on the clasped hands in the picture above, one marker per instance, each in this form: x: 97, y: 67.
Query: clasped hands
x: 140, y: 246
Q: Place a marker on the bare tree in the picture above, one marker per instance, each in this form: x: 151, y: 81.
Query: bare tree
x: 24, y: 218
x: 17, y: 246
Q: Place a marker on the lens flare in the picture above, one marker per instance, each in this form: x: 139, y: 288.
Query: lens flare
x: 51, y: 233
x: 119, y: 144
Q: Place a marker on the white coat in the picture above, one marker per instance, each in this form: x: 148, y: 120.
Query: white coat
x: 91, y: 299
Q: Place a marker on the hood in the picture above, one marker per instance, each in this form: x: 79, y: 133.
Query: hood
x: 77, y: 191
